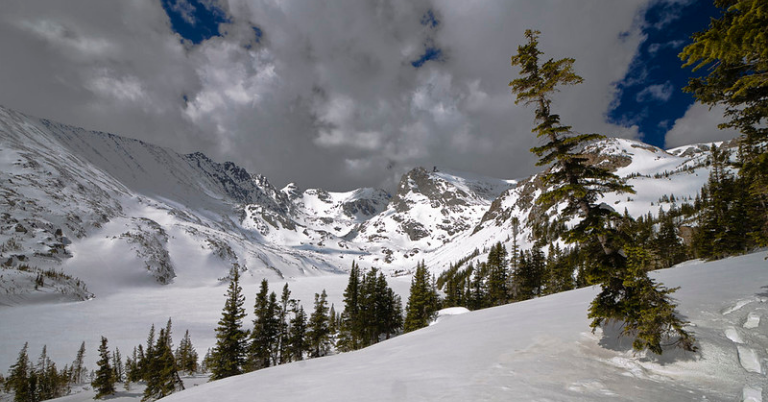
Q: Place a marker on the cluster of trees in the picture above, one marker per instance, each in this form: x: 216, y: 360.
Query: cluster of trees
x: 41, y: 381
x: 372, y: 310
x: 157, y: 365
x: 282, y: 332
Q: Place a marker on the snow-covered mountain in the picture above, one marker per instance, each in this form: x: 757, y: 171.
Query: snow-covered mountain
x: 142, y: 233
x: 64, y: 188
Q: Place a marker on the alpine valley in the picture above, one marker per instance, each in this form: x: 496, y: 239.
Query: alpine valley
x: 106, y: 235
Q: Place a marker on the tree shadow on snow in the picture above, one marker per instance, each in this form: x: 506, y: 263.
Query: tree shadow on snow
x: 612, y: 339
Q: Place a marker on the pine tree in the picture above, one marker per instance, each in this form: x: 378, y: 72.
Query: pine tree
x: 18, y: 379
x: 723, y: 229
x: 318, y: 332
x: 78, y: 368
x: 297, y: 333
x: 579, y: 184
x: 735, y: 50
x: 422, y: 302
x: 186, y: 356
x: 265, y: 329
x: 498, y: 294
x: 164, y: 378
x: 349, y: 338
x: 117, y: 361
x: 283, y: 326
x: 147, y: 361
x: 104, y: 381
x: 229, y: 354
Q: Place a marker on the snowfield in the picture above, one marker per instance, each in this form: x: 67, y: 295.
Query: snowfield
x: 542, y: 350
x: 537, y: 350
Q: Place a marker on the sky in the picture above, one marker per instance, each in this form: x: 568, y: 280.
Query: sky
x: 346, y: 94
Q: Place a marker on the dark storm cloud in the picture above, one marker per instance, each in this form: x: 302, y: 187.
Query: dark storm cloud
x: 328, y: 95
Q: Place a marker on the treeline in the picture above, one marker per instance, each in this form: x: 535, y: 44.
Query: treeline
x: 32, y: 382
x: 725, y: 218
x: 283, y: 332
x: 157, y: 366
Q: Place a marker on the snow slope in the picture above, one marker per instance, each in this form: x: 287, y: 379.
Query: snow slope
x: 653, y: 173
x: 542, y: 350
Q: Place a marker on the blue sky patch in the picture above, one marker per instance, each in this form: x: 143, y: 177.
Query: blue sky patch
x: 430, y: 53
x: 651, y: 95
x: 194, y: 20
x: 429, y: 20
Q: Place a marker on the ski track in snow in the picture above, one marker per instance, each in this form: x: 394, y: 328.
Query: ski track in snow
x: 753, y: 320
x: 749, y: 357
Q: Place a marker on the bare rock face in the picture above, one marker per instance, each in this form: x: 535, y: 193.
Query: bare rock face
x: 149, y: 240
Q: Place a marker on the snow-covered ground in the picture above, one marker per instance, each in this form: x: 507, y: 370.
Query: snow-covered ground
x: 542, y: 350
x: 537, y: 350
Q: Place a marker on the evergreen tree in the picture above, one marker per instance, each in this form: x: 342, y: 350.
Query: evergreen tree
x: 724, y: 228
x: 318, y: 332
x: 104, y: 380
x: 117, y: 361
x: 735, y: 50
x: 147, y: 361
x: 19, y: 377
x: 297, y: 334
x: 78, y: 368
x: 422, y: 302
x: 229, y: 354
x: 163, y: 375
x: 134, y: 372
x: 572, y: 179
x: 349, y: 338
x: 498, y: 294
x: 283, y: 326
x: 667, y: 244
x: 645, y: 308
x: 265, y: 329
x: 186, y: 356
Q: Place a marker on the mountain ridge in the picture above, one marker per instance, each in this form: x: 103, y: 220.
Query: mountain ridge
x: 73, y: 182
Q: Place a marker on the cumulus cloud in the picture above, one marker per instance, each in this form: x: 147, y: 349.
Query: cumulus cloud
x: 327, y: 95
x: 656, y: 92
x: 699, y: 125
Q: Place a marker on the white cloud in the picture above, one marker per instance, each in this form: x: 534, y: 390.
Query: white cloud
x: 657, y: 92
x: 699, y: 125
x: 186, y: 10
x: 328, y: 97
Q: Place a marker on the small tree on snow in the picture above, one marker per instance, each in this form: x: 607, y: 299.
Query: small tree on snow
x: 104, y: 381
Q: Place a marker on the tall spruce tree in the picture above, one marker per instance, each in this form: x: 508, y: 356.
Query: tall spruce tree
x: 229, y: 354
x: 104, y: 380
x: 280, y: 355
x: 349, y: 337
x: 572, y: 180
x: 186, y: 356
x: 18, y: 380
x: 117, y: 363
x: 318, y: 330
x: 78, y: 367
x: 297, y: 333
x: 265, y: 329
x: 423, y: 301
